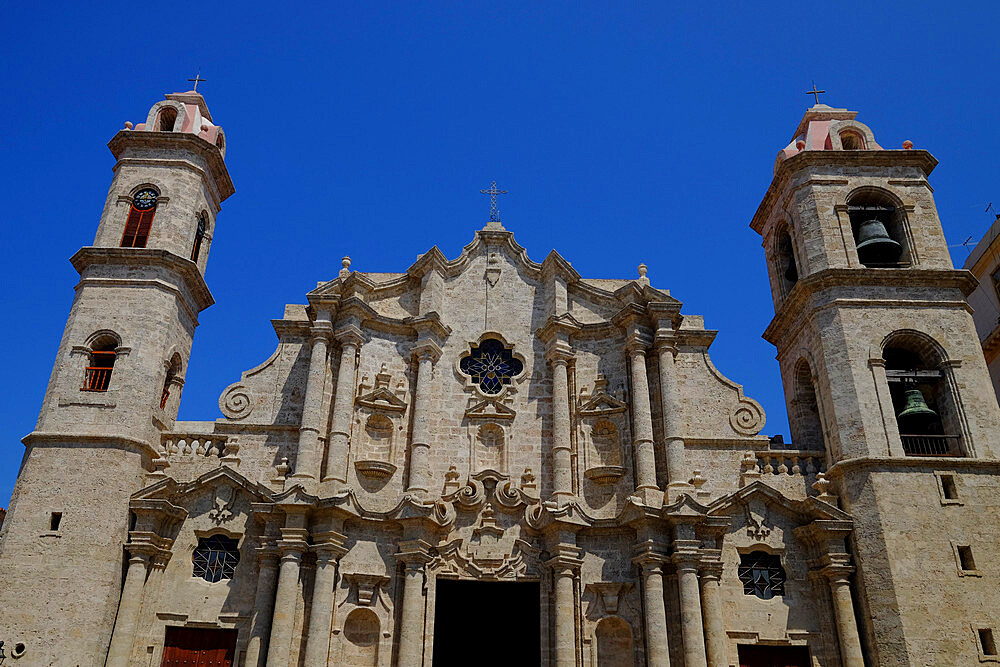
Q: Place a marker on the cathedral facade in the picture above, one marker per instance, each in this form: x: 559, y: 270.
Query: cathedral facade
x: 487, y: 459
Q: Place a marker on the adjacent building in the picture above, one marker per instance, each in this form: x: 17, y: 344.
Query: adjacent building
x: 984, y: 263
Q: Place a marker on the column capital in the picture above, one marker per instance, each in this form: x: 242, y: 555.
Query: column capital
x: 426, y: 348
x: 293, y: 543
x: 349, y: 335
x: 687, y: 555
x: 835, y: 567
x: 267, y: 555
x: 711, y: 566
x: 414, y: 554
x: 558, y: 352
x: 329, y: 546
x: 636, y: 343
x: 321, y: 330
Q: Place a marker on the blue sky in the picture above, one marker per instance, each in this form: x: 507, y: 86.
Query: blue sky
x: 625, y: 133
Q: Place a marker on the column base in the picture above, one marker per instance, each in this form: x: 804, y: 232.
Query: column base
x: 676, y: 489
x: 649, y: 496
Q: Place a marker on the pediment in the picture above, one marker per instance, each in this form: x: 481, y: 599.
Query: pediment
x: 802, y: 511
x: 490, y: 408
x: 169, y: 488
x: 601, y: 404
x: 382, y: 399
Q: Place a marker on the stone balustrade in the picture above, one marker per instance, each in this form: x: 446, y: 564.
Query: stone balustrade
x: 791, y: 462
x: 178, y: 445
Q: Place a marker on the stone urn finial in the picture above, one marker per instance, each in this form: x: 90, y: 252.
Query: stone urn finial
x: 346, y: 262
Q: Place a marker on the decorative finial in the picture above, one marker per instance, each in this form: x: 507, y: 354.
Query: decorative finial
x: 493, y: 192
x: 346, y: 263
x: 698, y: 480
x: 800, y: 145
x: 197, y: 79
x: 642, y: 274
x: 128, y: 125
x: 815, y: 93
x: 907, y: 145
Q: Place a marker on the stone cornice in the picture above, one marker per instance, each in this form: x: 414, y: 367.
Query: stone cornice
x: 785, y: 170
x: 61, y: 437
x: 126, y: 139
x: 185, y: 268
x: 884, y: 464
x: 795, y: 305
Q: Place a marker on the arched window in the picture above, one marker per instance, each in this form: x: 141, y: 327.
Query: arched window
x: 879, y: 230
x: 926, y: 412
x: 199, y: 236
x: 852, y: 141
x: 140, y: 219
x: 172, y: 372
x: 215, y: 558
x: 102, y: 362
x: 785, y: 259
x: 166, y: 120
x: 807, y: 429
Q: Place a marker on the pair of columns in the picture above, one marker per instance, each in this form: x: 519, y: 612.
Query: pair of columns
x: 274, y: 616
x: 310, y: 450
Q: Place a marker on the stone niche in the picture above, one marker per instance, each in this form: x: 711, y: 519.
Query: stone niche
x: 378, y: 426
x: 603, y: 431
x: 488, y: 425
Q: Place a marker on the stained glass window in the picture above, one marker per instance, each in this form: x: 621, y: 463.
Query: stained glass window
x: 491, y: 366
x: 761, y: 574
x: 215, y: 558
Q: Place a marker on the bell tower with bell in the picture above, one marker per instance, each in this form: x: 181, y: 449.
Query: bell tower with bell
x: 882, y: 369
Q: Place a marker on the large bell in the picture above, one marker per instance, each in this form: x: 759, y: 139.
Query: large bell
x: 875, y: 246
x: 916, y: 411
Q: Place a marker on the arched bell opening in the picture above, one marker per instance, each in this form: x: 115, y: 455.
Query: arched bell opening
x: 806, y: 425
x: 166, y: 120
x: 878, y: 224
x: 784, y: 257
x: 926, y: 411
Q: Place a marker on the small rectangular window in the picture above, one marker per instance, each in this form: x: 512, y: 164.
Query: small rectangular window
x: 987, y: 643
x: 54, y: 520
x: 948, y: 487
x: 965, y: 558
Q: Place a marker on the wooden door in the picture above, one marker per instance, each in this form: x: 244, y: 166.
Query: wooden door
x: 774, y: 656
x: 199, y: 647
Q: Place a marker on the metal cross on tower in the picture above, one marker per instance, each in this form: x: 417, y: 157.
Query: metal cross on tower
x: 815, y: 93
x: 197, y: 78
x: 493, y: 192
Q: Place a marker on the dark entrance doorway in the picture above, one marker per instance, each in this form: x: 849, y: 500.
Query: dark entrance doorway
x: 198, y: 647
x: 774, y: 656
x: 487, y: 623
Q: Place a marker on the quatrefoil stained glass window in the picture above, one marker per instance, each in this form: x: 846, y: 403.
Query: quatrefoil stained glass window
x: 215, y: 558
x: 761, y: 574
x: 491, y: 365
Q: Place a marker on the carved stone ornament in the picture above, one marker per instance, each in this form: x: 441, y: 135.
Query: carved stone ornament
x: 236, y: 402
x: 487, y: 486
x: 366, y: 586
x: 747, y: 418
x: 222, y: 509
x: 490, y: 552
x: 756, y: 512
x: 603, y: 429
x: 610, y: 593
x: 378, y: 426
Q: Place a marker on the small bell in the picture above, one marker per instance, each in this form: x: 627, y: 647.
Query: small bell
x: 916, y: 411
x: 875, y: 246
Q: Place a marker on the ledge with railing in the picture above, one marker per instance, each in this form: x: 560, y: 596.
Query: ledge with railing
x: 931, y: 445
x: 791, y: 461
x: 174, y: 445
x: 97, y: 378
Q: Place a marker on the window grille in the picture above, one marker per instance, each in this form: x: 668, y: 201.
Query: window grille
x: 491, y: 366
x: 98, y: 375
x: 761, y: 574
x: 215, y: 558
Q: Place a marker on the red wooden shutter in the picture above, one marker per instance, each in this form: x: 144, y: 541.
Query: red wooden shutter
x: 137, y: 228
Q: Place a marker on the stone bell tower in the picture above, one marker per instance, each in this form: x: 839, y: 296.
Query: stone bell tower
x: 115, y: 385
x: 882, y: 368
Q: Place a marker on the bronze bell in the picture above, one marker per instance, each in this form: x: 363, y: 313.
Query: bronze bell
x: 916, y: 410
x: 875, y: 246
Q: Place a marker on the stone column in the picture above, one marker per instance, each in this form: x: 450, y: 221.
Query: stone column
x: 562, y: 455
x: 329, y: 548
x: 692, y: 630
x: 414, y: 554
x: 670, y: 406
x: 343, y: 406
x: 267, y: 575
x: 642, y: 425
x: 427, y: 353
x: 307, y: 461
x: 564, y: 567
x: 291, y: 546
x: 128, y: 609
x: 657, y: 641
x: 711, y: 607
x: 839, y: 572
x: 893, y: 443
